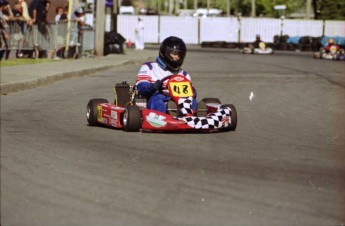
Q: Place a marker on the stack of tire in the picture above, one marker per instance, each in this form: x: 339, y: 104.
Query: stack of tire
x: 280, y: 42
x: 113, y: 43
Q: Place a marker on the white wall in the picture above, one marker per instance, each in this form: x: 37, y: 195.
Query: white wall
x: 219, y: 29
x: 266, y: 28
x: 334, y: 28
x: 194, y: 30
x: 303, y: 28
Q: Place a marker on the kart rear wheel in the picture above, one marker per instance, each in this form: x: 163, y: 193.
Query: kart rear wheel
x: 92, y: 111
x: 132, y: 118
x: 233, y: 116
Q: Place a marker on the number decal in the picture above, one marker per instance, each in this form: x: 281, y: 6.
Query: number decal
x: 181, y: 89
x: 99, y: 115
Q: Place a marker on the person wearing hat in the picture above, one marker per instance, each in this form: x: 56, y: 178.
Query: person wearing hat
x: 256, y: 43
x: 139, y: 35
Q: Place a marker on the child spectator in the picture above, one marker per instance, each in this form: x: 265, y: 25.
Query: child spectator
x: 18, y: 27
x: 59, y: 11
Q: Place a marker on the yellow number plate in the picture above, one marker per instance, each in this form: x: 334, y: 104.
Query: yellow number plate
x: 181, y: 89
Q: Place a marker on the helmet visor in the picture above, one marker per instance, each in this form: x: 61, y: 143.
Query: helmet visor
x: 175, y: 56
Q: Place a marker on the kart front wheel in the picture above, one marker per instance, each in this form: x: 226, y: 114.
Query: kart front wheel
x: 233, y: 116
x: 202, y: 105
x: 210, y: 100
x: 132, y: 118
x: 92, y: 111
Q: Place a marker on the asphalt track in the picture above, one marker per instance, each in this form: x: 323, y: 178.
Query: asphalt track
x: 284, y: 165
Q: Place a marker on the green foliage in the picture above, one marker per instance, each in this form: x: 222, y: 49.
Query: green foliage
x: 332, y: 9
x: 20, y: 61
x: 323, y: 9
x: 266, y: 7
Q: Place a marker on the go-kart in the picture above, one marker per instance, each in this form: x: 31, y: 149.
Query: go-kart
x: 130, y: 113
x: 261, y: 50
x: 332, y: 54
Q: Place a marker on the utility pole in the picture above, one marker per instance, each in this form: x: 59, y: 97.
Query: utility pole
x: 227, y: 8
x: 253, y: 8
x: 114, y: 14
x: 308, y: 9
x: 99, y: 28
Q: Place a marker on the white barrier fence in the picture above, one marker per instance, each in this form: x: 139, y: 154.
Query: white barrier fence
x: 194, y: 30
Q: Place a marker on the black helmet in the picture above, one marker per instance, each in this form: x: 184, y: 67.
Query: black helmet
x: 172, y: 46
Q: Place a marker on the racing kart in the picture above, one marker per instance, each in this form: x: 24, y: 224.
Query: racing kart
x: 130, y: 113
x: 333, y: 54
x: 261, y: 50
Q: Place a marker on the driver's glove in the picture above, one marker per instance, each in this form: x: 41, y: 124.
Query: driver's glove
x: 157, y: 85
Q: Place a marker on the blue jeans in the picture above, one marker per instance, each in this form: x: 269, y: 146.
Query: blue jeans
x: 157, y: 102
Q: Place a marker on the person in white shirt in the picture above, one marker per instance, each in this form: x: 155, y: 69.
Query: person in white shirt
x: 169, y: 61
x: 139, y: 35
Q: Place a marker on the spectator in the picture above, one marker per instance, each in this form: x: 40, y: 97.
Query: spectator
x: 58, y: 53
x: 76, y: 38
x: 63, y: 16
x: 18, y: 27
x: 5, y: 16
x: 25, y: 12
x: 139, y: 35
x: 38, y: 11
x: 78, y: 16
x: 59, y: 11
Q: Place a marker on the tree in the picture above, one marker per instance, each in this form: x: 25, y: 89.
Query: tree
x: 331, y: 9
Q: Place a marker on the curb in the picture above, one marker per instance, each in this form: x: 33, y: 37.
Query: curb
x: 41, y: 81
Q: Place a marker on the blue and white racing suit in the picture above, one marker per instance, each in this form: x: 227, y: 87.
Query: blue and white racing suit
x: 148, y: 74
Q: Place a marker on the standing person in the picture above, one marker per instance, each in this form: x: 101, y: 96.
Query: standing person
x: 58, y: 53
x: 5, y: 16
x: 79, y: 16
x: 20, y: 28
x: 25, y: 12
x: 169, y: 61
x: 59, y: 11
x: 38, y: 11
x: 139, y: 35
x: 77, y: 35
x: 4, y: 37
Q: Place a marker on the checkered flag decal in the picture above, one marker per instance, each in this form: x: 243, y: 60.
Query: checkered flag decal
x: 185, y: 106
x: 220, y: 119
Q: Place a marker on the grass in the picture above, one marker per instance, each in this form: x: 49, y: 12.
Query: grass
x: 21, y: 61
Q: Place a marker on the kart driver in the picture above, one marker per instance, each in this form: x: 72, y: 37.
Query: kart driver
x: 149, y: 79
x: 256, y: 43
x: 329, y: 49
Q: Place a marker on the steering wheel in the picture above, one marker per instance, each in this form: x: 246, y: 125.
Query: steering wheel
x: 160, y: 89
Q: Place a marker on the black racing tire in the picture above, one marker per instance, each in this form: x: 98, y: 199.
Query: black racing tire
x: 132, y: 119
x: 92, y: 111
x: 210, y: 100
x: 233, y: 116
